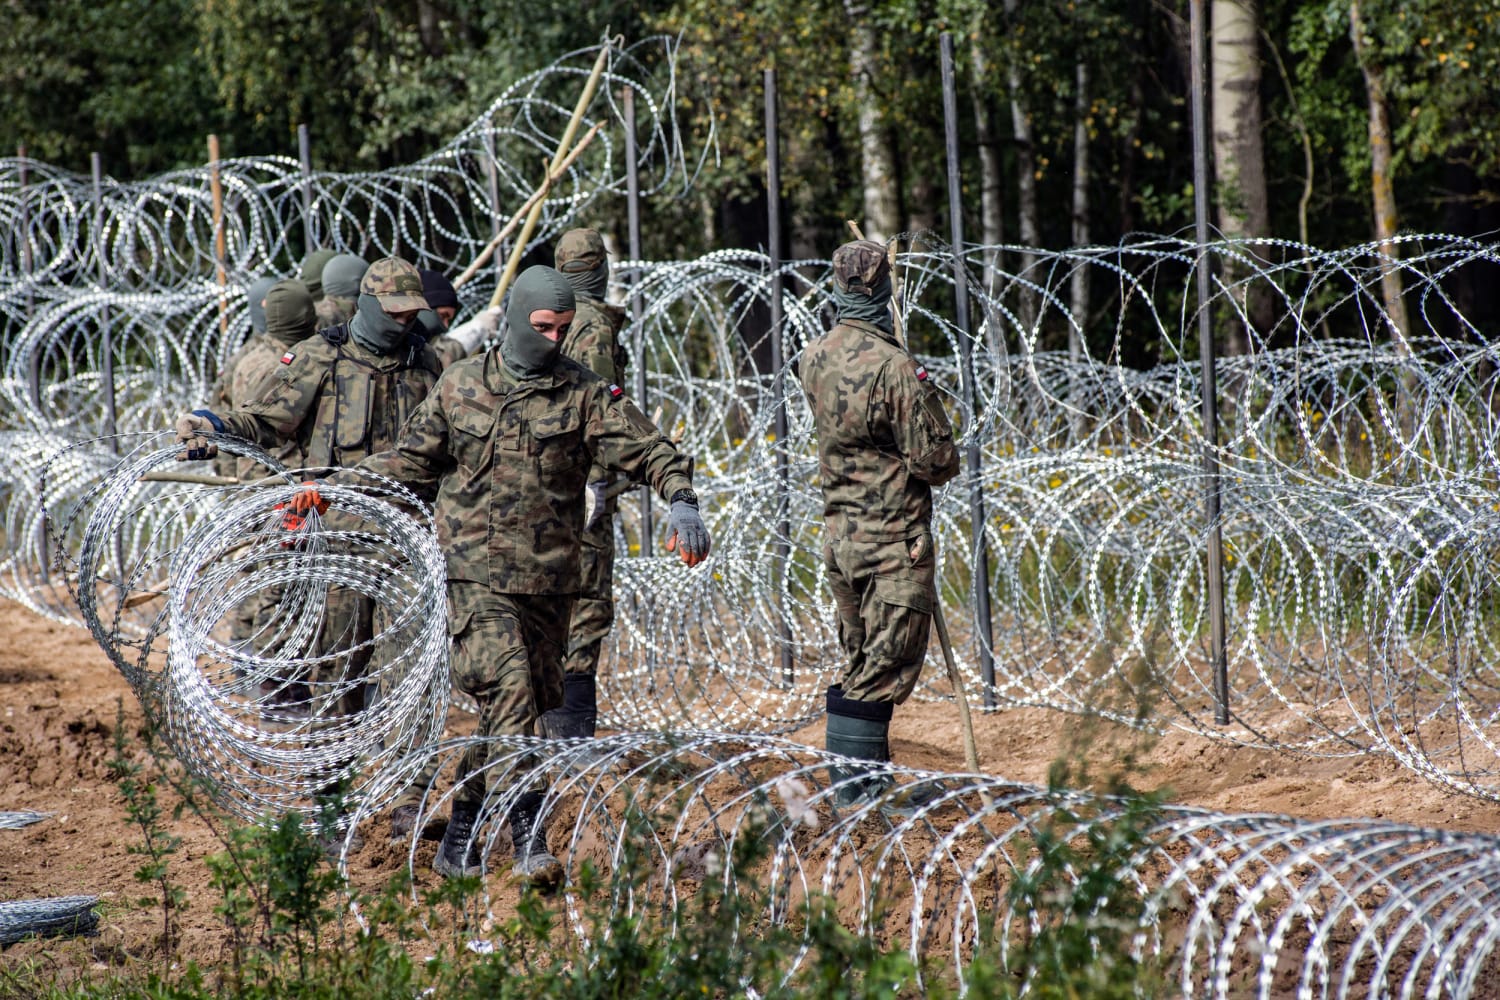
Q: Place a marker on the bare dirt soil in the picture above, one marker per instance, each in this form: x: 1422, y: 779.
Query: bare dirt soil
x: 58, y: 698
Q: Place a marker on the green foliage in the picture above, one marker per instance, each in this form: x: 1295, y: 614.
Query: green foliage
x: 145, y: 812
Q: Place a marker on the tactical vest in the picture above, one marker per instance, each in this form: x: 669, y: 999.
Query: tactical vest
x: 354, y: 426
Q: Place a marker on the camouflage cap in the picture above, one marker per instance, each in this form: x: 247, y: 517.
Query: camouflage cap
x: 579, y: 250
x: 397, y: 284
x: 859, y: 266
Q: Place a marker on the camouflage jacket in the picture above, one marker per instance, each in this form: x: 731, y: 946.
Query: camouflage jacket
x: 594, y: 342
x: 337, y: 400
x: 249, y: 373
x: 507, y: 460
x: 884, y: 439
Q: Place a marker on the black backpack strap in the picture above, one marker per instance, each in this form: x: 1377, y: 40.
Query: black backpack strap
x: 335, y: 335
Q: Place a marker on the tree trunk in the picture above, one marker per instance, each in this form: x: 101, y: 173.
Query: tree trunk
x: 991, y: 189
x: 1029, y: 217
x: 882, y: 200
x: 1384, y: 195
x: 1079, y: 296
x: 1239, y: 153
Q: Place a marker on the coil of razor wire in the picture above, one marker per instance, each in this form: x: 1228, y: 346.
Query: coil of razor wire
x: 1219, y: 905
x: 43, y: 918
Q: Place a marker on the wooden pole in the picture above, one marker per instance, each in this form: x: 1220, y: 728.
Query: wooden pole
x: 584, y: 99
x: 216, y: 191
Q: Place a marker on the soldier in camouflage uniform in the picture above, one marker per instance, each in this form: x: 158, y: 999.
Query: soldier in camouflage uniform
x: 452, y: 344
x: 341, y: 288
x: 312, y: 272
x: 505, y: 443
x: 339, y: 396
x: 884, y: 441
x: 593, y: 341
x: 223, y: 394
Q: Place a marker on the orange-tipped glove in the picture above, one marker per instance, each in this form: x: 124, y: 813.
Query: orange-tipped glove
x: 294, y: 511
x: 689, y: 537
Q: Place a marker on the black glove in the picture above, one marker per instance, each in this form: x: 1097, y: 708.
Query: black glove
x: 689, y: 534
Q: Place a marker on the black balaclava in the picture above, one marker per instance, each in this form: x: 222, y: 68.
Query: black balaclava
x: 289, y: 312
x: 582, y: 259
x: 525, y: 352
x: 862, y: 283
x: 256, y: 294
x: 341, y: 275
x: 312, y: 271
x: 375, y: 329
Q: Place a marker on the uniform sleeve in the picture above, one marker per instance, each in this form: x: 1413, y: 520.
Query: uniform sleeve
x: 420, y: 456
x: 923, y: 433
x: 277, y: 415
x: 623, y: 440
x: 591, y: 346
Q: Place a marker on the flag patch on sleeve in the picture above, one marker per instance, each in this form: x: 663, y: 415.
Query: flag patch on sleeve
x: 921, y: 373
x: 287, y: 358
x: 615, y: 392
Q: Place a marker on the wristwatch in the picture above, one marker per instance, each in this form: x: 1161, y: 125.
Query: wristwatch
x: 685, y: 496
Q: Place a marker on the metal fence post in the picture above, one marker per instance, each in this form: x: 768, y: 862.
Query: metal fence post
x: 981, y: 582
x: 637, y: 304
x: 782, y: 519
x: 1210, y: 405
x: 304, y: 156
x: 107, y: 346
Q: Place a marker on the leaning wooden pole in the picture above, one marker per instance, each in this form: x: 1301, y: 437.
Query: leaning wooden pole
x: 216, y: 192
x: 584, y: 99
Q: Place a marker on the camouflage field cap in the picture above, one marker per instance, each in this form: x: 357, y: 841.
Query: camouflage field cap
x: 397, y: 284
x: 859, y: 266
x: 579, y: 250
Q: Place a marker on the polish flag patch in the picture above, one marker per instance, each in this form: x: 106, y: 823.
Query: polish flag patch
x: 288, y: 357
x: 921, y: 373
x: 615, y: 392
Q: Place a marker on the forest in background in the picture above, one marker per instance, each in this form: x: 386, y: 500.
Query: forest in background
x: 1334, y: 122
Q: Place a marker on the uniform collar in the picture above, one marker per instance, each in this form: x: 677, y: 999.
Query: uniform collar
x: 867, y: 327
x: 501, y: 381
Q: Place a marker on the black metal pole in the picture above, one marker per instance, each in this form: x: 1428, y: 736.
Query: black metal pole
x: 304, y: 155
x: 107, y: 346
x: 1212, y: 484
x: 981, y: 583
x: 637, y: 304
x: 783, y: 548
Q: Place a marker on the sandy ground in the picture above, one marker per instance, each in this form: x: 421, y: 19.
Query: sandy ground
x: 58, y: 697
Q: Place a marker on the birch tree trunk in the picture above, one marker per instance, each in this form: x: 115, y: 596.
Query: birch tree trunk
x: 1027, y: 212
x: 991, y: 183
x: 1239, y: 153
x: 882, y: 200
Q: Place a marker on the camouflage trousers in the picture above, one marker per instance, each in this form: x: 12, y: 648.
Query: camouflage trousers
x: 594, y: 610
x: 507, y: 655
x: 345, y: 647
x: 883, y: 593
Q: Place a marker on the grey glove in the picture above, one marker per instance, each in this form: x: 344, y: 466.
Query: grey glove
x: 193, y: 432
x: 594, y: 497
x: 469, y: 335
x: 689, y: 534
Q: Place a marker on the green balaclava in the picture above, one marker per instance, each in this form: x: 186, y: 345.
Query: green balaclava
x: 862, y: 283
x: 374, y: 329
x: 582, y: 259
x: 256, y: 294
x: 525, y: 352
x: 312, y: 271
x: 289, y: 312
x: 341, y: 275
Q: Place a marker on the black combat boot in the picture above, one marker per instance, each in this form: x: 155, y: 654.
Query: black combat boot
x: 578, y: 716
x: 535, y: 865
x: 458, y: 854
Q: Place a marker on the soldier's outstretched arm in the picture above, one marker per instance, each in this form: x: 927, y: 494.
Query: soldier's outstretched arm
x: 287, y: 400
x: 624, y: 440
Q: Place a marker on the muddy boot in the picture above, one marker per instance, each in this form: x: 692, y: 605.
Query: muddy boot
x: 535, y: 866
x: 458, y: 854
x: 860, y: 730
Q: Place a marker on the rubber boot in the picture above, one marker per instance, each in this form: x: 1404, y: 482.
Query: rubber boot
x: 858, y: 729
x: 535, y: 865
x: 457, y: 853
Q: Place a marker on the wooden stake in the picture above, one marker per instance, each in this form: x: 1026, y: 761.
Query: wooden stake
x: 216, y: 189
